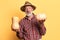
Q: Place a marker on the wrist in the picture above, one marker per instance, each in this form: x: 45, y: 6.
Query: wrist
x: 41, y: 21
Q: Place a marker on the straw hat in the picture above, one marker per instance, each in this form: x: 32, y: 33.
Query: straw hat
x: 27, y: 4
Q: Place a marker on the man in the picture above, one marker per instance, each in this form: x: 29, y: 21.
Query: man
x: 30, y: 27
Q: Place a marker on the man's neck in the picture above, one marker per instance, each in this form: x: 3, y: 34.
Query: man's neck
x: 30, y: 17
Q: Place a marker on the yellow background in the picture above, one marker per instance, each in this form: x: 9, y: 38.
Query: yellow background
x: 10, y: 8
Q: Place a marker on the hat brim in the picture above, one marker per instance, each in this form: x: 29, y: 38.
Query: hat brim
x: 23, y: 7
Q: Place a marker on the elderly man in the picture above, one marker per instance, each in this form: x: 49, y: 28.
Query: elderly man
x: 31, y: 27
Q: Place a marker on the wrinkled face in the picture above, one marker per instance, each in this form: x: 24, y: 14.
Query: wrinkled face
x: 28, y: 9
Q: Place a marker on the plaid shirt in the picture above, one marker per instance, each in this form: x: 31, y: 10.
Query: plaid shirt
x: 31, y: 29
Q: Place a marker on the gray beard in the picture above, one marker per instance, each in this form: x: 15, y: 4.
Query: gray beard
x: 30, y: 14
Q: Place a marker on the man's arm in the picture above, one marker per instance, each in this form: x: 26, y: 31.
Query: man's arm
x: 20, y: 32
x: 42, y: 27
x: 41, y: 19
x: 17, y: 27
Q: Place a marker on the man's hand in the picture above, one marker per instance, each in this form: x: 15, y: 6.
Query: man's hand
x: 41, y: 17
x: 15, y: 23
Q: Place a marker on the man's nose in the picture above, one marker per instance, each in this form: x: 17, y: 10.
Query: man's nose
x: 27, y: 10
